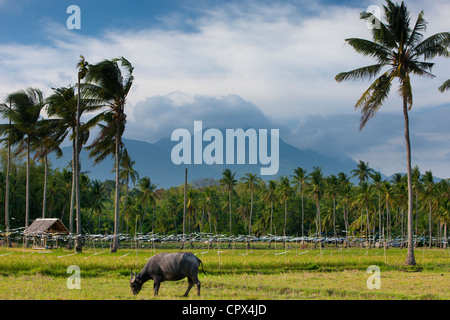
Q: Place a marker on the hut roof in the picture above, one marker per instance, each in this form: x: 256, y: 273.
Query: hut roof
x: 41, y: 226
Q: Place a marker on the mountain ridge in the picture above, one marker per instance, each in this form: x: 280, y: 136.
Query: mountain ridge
x: 154, y: 160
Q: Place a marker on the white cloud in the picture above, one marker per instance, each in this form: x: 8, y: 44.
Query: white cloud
x: 278, y: 57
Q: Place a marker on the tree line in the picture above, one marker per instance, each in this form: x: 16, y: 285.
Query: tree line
x: 305, y: 204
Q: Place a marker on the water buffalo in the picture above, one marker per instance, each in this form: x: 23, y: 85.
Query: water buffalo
x: 168, y: 267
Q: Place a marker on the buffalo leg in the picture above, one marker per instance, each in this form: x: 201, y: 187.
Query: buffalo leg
x: 191, y: 283
x: 156, y: 285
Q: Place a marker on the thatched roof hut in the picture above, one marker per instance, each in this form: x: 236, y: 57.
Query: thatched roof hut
x: 46, y: 226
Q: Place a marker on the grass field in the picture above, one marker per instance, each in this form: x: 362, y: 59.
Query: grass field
x: 231, y: 274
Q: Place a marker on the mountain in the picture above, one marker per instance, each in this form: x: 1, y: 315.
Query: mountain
x: 154, y: 160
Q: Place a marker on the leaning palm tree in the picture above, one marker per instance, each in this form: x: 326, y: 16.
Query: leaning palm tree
x: 62, y: 108
x: 228, y: 181
x: 26, y: 107
x: 106, y: 85
x: 399, y: 47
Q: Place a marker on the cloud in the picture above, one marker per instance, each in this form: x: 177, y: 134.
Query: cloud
x: 381, y: 142
x: 156, y: 117
x: 250, y: 64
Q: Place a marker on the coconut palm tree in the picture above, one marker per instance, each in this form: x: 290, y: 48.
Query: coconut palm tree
x: 5, y: 111
x: 229, y: 182
x: 332, y: 188
x: 399, y: 47
x: 363, y: 172
x: 48, y: 140
x: 97, y: 195
x: 26, y: 106
x: 147, y: 196
x: 126, y: 174
x: 299, y: 181
x: 251, y: 182
x: 284, y: 193
x: 316, y: 189
x: 106, y: 85
x: 270, y: 196
x: 428, y: 182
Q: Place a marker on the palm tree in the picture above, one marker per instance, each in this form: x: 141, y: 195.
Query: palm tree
x: 363, y: 172
x: 126, y: 173
x: 346, y: 193
x: 270, y: 196
x: 208, y: 197
x: 377, y: 181
x: 251, y: 182
x: 316, y: 189
x: 106, y: 84
x: 48, y: 140
x: 5, y: 111
x: 445, y: 86
x: 284, y: 192
x: 388, y: 194
x: 331, y: 188
x: 62, y: 108
x: 25, y: 111
x: 299, y: 180
x: 147, y: 196
x: 428, y: 181
x: 399, y: 47
x: 97, y: 194
x: 82, y: 70
x: 228, y: 181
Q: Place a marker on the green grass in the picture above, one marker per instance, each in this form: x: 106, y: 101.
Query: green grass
x: 231, y: 274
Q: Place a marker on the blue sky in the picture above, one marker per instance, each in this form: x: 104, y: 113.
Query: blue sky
x: 210, y: 59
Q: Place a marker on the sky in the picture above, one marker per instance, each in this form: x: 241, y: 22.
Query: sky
x: 235, y: 64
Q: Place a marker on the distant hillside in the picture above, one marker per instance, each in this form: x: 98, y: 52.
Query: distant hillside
x: 154, y: 161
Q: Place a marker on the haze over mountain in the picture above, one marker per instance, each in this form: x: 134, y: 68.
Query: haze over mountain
x: 154, y: 160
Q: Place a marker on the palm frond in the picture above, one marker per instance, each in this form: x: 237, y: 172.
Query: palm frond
x: 373, y: 98
x: 445, y: 86
x: 436, y: 45
x: 370, y: 48
x: 367, y: 72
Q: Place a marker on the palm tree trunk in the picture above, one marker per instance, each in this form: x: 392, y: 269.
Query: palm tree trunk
x: 429, y: 225
x: 27, y: 196
x: 8, y: 165
x: 44, y: 197
x: 410, y: 260
x: 72, y: 198
x: 303, y: 218
x: 115, y: 244
x: 78, y: 245
x: 229, y: 206
x: 334, y: 221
